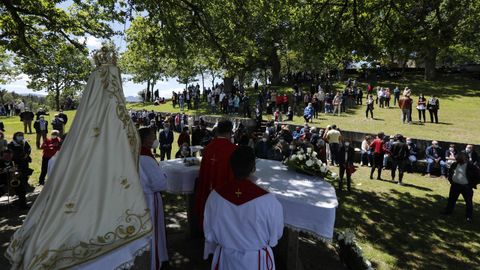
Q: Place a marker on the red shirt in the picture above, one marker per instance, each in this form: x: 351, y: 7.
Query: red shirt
x: 377, y: 146
x: 50, y: 147
x: 215, y: 171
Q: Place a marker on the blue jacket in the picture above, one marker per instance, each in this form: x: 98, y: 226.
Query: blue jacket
x: 308, y: 112
x: 429, y: 153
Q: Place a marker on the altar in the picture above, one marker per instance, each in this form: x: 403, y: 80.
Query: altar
x: 309, y: 203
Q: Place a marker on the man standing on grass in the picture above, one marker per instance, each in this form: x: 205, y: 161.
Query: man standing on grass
x: 333, y: 137
x: 378, y: 151
x: 41, y: 129
x: 405, y: 103
x: 463, y: 177
x: 27, y: 117
x: 399, y: 154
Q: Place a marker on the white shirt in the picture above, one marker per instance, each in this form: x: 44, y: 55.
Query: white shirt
x: 153, y: 180
x: 239, y: 233
x: 365, y: 146
x: 333, y: 136
x: 460, y: 174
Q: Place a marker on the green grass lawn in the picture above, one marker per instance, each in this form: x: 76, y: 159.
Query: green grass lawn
x: 398, y: 227
x: 459, y: 109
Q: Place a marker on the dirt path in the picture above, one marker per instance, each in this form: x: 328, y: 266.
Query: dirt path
x: 185, y: 253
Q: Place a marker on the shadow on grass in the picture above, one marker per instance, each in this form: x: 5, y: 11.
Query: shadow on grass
x: 410, y: 229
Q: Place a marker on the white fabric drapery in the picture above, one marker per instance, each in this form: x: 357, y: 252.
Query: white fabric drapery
x: 92, y: 202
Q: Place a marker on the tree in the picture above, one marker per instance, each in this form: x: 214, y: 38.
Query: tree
x: 145, y: 57
x: 57, y: 67
x: 8, y: 71
x: 24, y: 23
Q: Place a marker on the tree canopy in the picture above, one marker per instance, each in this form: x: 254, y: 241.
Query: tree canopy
x: 239, y: 39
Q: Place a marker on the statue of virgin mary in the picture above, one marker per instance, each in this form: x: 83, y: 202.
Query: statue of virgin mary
x: 93, y: 204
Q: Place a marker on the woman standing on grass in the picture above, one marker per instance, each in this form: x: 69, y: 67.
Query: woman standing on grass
x: 421, y: 107
x: 369, y: 106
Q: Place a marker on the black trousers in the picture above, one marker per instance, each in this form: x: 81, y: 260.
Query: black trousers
x: 467, y: 193
x: 377, y: 164
x: 165, y: 151
x: 433, y: 114
x: 369, y: 109
x: 334, y: 152
x: 343, y: 171
x: 420, y: 114
x: 400, y: 165
x: 44, y: 170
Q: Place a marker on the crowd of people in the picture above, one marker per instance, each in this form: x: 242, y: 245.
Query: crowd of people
x: 228, y: 160
x: 16, y: 155
x: 233, y: 148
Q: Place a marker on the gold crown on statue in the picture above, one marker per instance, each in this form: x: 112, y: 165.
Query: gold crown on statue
x: 107, y: 55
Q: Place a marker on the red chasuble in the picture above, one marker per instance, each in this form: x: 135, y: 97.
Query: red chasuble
x: 215, y: 171
x: 240, y: 192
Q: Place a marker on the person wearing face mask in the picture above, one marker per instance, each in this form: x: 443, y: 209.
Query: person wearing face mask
x: 27, y: 117
x: 345, y: 157
x: 399, y: 156
x: 166, y: 140
x: 450, y: 155
x: 50, y: 147
x: 434, y: 156
x: 57, y: 124
x: 184, y: 137
x: 153, y: 181
x: 21, y: 157
x: 41, y: 129
x: 471, y: 155
x: 463, y: 177
x: 412, y: 155
x: 263, y: 148
x: 421, y: 107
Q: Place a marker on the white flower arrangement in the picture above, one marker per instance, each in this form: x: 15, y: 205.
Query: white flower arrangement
x: 308, y: 163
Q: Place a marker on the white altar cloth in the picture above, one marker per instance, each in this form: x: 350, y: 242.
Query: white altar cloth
x: 309, y: 204
x: 180, y: 178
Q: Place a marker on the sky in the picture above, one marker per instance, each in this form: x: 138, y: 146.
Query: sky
x: 130, y: 89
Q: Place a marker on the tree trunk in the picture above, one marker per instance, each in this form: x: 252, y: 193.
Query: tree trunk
x: 147, y: 96
x: 228, y: 84
x: 276, y: 67
x: 57, y: 98
x: 213, y: 80
x: 153, y: 90
x: 203, y: 80
x: 430, y: 60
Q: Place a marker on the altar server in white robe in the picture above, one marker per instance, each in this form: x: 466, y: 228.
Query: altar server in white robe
x: 153, y: 181
x: 242, y: 221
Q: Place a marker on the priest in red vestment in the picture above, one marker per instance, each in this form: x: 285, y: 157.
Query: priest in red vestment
x: 215, y: 168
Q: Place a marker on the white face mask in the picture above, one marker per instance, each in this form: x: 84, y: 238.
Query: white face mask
x: 451, y: 149
x: 409, y: 142
x: 155, y: 144
x: 347, y: 144
x: 53, y: 136
x: 292, y: 147
x: 264, y: 139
